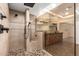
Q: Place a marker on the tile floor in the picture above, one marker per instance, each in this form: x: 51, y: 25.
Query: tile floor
x: 61, y: 49
x: 77, y: 49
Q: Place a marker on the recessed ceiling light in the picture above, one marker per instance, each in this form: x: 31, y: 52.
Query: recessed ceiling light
x: 67, y: 9
x: 66, y: 13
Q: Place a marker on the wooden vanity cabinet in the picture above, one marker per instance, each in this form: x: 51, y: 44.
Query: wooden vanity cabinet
x: 52, y: 38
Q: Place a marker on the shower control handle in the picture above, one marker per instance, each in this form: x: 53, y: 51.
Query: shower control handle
x: 7, y: 29
x: 2, y: 29
x: 2, y: 16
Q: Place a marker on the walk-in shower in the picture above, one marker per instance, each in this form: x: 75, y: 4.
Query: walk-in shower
x: 42, y: 27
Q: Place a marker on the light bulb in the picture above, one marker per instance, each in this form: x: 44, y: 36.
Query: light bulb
x: 66, y: 13
x: 67, y: 9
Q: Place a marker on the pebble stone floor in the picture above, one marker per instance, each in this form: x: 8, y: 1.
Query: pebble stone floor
x: 21, y: 52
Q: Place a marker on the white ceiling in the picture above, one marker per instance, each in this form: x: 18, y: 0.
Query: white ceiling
x: 42, y: 8
x: 18, y: 7
x: 61, y: 10
x: 58, y: 14
x: 35, y: 10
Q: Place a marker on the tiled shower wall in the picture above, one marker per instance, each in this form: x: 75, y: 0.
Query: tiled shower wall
x: 16, y: 30
x: 17, y: 33
x: 4, y: 36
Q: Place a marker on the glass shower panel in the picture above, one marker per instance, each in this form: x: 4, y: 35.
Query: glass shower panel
x: 56, y: 21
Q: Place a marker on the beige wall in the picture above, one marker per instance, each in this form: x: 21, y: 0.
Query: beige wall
x: 4, y: 36
x: 67, y: 27
x: 42, y: 27
x: 16, y: 31
x: 68, y: 31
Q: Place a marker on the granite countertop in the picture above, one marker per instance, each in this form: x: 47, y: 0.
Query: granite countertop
x: 53, y: 32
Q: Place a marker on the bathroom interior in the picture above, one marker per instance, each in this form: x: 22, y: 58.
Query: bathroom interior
x: 38, y: 29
